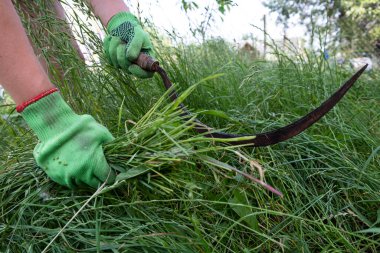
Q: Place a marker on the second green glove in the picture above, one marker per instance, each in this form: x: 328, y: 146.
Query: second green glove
x: 125, y: 41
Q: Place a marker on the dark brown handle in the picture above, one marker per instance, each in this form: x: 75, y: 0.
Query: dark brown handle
x: 147, y: 63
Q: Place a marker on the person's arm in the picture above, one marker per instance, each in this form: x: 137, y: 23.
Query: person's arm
x: 33, y: 15
x: 21, y: 74
x: 70, y: 148
x: 105, y: 10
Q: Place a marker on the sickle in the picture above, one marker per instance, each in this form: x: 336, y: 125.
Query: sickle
x: 262, y: 139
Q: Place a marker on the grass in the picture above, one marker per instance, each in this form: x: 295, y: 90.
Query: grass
x: 175, y: 191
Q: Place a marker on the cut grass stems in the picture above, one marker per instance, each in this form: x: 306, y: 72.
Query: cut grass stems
x: 171, y: 195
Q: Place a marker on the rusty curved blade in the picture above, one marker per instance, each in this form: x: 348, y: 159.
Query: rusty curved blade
x: 275, y: 136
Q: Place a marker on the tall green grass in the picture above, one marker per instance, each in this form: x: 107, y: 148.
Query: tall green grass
x: 175, y: 190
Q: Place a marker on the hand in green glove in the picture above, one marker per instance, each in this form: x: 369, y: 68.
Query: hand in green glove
x: 124, y: 42
x: 70, y: 148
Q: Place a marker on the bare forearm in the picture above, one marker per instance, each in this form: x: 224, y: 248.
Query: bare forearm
x: 104, y: 10
x: 21, y: 74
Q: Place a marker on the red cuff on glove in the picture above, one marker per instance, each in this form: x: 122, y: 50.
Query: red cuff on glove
x: 22, y: 106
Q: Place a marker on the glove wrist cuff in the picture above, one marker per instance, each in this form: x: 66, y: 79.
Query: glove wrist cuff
x: 49, y: 116
x: 120, y: 18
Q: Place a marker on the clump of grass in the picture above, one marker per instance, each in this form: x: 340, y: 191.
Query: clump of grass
x: 174, y: 192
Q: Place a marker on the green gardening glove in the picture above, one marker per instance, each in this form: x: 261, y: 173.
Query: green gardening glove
x: 125, y: 41
x: 70, y: 148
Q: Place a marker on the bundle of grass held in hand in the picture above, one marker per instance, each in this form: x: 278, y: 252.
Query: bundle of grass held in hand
x: 177, y: 191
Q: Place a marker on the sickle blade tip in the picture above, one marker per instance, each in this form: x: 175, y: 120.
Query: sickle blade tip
x: 363, y: 69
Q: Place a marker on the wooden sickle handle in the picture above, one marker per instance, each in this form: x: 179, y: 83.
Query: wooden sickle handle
x: 147, y: 63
